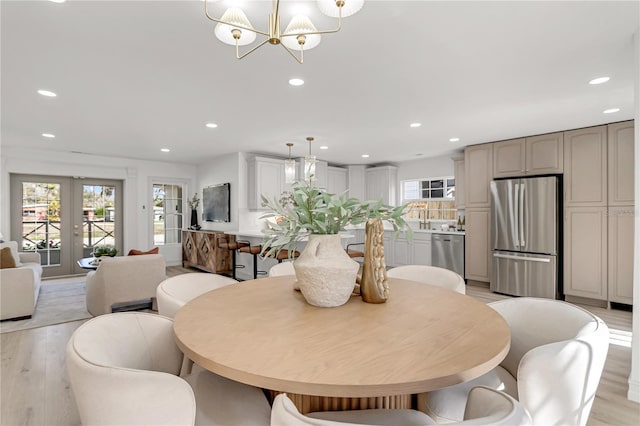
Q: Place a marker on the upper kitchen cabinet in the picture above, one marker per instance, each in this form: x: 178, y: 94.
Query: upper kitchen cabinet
x: 356, y: 181
x: 621, y: 169
x: 381, y: 182
x: 478, y: 169
x: 585, y: 167
x: 458, y: 173
x: 265, y: 177
x: 336, y: 180
x: 536, y: 155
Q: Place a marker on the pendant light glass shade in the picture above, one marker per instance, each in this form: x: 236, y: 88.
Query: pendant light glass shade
x: 301, y: 24
x: 329, y: 8
x: 310, y: 168
x: 289, y: 170
x: 239, y: 21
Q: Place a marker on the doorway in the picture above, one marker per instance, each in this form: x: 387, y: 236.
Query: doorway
x: 64, y: 218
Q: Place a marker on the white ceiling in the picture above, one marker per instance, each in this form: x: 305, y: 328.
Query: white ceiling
x: 134, y: 77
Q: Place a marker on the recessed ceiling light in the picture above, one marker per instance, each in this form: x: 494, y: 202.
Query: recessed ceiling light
x: 165, y: 149
x: 599, y: 80
x: 57, y: 1
x: 324, y: 147
x: 211, y: 125
x: 454, y: 140
x: 47, y: 93
x: 365, y: 155
x: 415, y: 125
x: 610, y: 110
x: 48, y: 135
x: 296, y: 82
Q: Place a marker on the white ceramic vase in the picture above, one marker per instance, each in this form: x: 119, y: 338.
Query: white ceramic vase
x: 325, y: 272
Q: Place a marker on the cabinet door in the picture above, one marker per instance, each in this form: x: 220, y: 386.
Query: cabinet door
x: 478, y: 164
x: 401, y: 252
x: 266, y: 177
x: 621, y: 163
x: 509, y: 158
x: 458, y: 171
x: 620, y: 264
x: 585, y: 252
x: 477, y: 249
x: 545, y: 154
x: 336, y: 180
x: 381, y: 183
x: 585, y: 167
x: 421, y: 249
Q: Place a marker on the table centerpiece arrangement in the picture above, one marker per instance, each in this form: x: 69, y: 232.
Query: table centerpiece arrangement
x: 325, y: 272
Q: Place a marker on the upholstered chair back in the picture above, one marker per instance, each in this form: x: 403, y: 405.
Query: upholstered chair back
x: 175, y: 292
x: 430, y: 275
x: 284, y: 268
x: 123, y: 369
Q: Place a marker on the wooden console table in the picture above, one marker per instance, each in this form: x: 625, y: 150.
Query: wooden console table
x: 200, y: 249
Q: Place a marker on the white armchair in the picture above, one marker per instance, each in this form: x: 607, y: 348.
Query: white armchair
x: 20, y: 286
x: 430, y: 275
x: 553, y: 368
x: 123, y: 369
x: 123, y: 279
x: 280, y: 269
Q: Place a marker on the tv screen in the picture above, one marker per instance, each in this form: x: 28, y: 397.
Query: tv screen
x: 216, y: 203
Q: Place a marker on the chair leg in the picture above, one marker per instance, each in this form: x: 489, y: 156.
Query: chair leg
x: 187, y: 367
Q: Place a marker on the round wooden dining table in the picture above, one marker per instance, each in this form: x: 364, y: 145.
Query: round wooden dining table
x: 358, y: 355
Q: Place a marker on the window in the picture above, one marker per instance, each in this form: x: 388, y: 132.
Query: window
x: 442, y: 188
x: 167, y: 213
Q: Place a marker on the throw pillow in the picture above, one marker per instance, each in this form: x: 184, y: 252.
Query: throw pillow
x: 6, y: 259
x: 14, y: 251
x: 134, y: 252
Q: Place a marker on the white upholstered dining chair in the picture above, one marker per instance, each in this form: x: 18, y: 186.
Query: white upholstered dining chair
x: 280, y: 269
x: 174, y: 292
x: 485, y: 406
x: 123, y: 369
x: 429, y: 275
x: 553, y: 367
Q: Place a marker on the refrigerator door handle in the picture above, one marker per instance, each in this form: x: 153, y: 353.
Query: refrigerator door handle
x: 516, y: 214
x: 521, y: 216
x: 529, y: 259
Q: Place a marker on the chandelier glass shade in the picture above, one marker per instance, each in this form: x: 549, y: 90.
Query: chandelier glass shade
x: 310, y: 164
x: 234, y: 28
x: 289, y: 167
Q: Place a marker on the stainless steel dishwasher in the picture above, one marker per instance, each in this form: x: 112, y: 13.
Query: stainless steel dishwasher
x: 447, y: 251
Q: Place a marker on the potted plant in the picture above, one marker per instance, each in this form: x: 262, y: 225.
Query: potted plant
x: 326, y: 274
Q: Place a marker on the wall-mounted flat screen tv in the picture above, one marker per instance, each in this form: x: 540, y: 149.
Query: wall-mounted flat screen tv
x: 216, y: 203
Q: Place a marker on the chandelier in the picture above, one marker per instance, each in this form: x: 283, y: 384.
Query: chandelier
x: 234, y: 27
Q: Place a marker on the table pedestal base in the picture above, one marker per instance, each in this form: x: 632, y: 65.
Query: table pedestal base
x: 308, y: 403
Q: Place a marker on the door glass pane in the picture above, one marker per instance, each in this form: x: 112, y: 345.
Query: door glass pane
x: 41, y: 221
x: 167, y: 214
x: 98, y: 217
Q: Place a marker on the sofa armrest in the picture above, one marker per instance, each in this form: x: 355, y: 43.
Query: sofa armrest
x: 17, y: 292
x: 29, y: 257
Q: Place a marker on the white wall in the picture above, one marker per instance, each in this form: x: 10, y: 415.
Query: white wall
x: 135, y: 174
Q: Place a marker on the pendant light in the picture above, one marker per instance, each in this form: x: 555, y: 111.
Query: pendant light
x: 310, y: 164
x: 289, y: 167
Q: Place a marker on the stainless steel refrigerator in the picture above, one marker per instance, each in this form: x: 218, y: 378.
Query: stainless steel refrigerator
x: 525, y: 236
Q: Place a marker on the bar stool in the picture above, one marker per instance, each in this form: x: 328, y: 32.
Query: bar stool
x: 234, y: 246
x: 354, y: 253
x: 284, y: 255
x: 254, y: 251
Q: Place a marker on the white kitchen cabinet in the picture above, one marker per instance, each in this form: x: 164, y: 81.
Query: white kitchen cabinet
x: 356, y: 181
x: 421, y: 249
x: 400, y: 251
x: 459, y: 175
x: 585, y: 167
x: 620, y: 256
x: 621, y: 164
x: 535, y: 155
x: 478, y: 164
x: 265, y: 177
x: 477, y: 259
x: 336, y: 180
x: 382, y: 182
x: 585, y: 252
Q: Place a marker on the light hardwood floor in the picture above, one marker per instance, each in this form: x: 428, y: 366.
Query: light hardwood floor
x: 36, y: 391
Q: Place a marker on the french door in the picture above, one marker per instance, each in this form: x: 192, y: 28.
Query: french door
x: 64, y: 218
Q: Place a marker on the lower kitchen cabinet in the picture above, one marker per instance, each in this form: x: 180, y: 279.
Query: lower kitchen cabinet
x: 477, y: 260
x: 585, y: 252
x: 400, y: 251
x: 620, y: 256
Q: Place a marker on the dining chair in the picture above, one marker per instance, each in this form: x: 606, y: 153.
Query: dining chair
x: 485, y: 406
x: 430, y: 275
x: 553, y: 366
x: 280, y: 269
x: 174, y: 292
x: 123, y: 370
